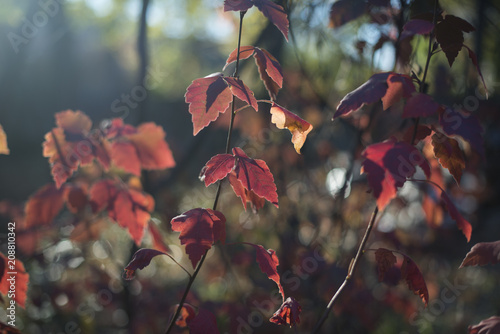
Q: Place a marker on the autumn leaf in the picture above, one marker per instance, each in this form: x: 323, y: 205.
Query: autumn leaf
x: 482, y: 253
x: 268, y: 264
x: 450, y: 35
x: 288, y: 313
x: 203, y: 323
x: 423, y: 131
x: 462, y: 223
x: 413, y: 277
x: 343, y: 11
x: 158, y: 242
x: 253, y: 174
x: 473, y: 58
x: 420, y: 105
x: 398, y: 86
x: 141, y: 259
x: 449, y: 154
x: 245, y: 195
x: 43, y: 206
x: 4, y: 149
x: 186, y: 315
x: 142, y: 148
x: 275, y: 13
x: 268, y: 66
x: 237, y: 5
x: 19, y: 276
x: 416, y: 27
x: 431, y: 203
x: 130, y: 208
x: 75, y: 197
x: 486, y: 326
x: 200, y: 229
x: 385, y: 260
x: 388, y: 165
x: 369, y: 92
x: 466, y: 126
x: 297, y: 126
x: 241, y: 91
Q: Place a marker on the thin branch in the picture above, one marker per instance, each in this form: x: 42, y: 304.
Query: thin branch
x: 219, y: 187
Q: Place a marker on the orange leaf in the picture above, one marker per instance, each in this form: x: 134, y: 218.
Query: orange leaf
x: 76, y: 198
x: 4, y: 149
x: 288, y: 313
x: 158, y: 242
x: 43, y: 206
x: 297, y: 126
x: 186, y: 315
x: 14, y: 273
x: 398, y: 86
x: 246, y: 195
x: 449, y: 154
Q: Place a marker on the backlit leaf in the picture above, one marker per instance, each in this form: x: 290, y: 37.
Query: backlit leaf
x: 288, y: 313
x: 369, y: 92
x: 75, y: 197
x: 275, y: 13
x: 43, y: 206
x: 142, y: 258
x: 4, y: 149
x: 449, y: 154
x: 385, y: 260
x: 241, y: 91
x: 420, y: 105
x: 413, y: 277
x: 207, y: 98
x: 482, y: 253
x: 158, y: 241
x: 297, y: 126
x: 388, y: 165
x: 245, y: 195
x: 450, y: 35
x: 187, y: 314
x: 462, y: 223
x: 200, y: 229
x: 398, y: 86
x: 19, y: 277
x: 466, y: 126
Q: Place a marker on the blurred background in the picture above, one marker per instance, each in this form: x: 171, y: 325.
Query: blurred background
x: 134, y: 59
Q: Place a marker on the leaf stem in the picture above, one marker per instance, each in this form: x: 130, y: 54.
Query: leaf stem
x: 177, y: 263
x: 219, y: 187
x: 350, y: 273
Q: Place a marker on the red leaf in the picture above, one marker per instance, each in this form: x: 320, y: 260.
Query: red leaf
x: 4, y: 149
x: 288, y: 313
x: 16, y: 275
x: 449, y: 154
x: 237, y: 5
x: 464, y: 125
x: 43, y: 206
x: 422, y: 132
x: 142, y: 258
x: 253, y: 174
x: 241, y: 91
x: 245, y: 52
x: 268, y: 264
x: 462, y: 223
x: 487, y: 326
x: 141, y: 148
x: 275, y: 13
x: 76, y: 198
x: 6, y: 329
x: 186, y: 315
x: 385, y: 260
x: 420, y: 105
x: 207, y: 98
x: 416, y: 27
x: 473, y: 57
x: 482, y: 254
x: 62, y: 158
x: 200, y: 229
x: 204, y: 323
x: 450, y: 35
x: 343, y: 11
x: 398, y: 86
x: 388, y: 165
x: 414, y: 279
x: 158, y: 242
x: 130, y: 208
x: 371, y: 91
x: 245, y: 195
x: 297, y: 126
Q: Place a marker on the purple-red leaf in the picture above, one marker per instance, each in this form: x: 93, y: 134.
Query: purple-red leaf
x: 413, y: 277
x: 217, y: 168
x: 416, y: 27
x: 385, y: 260
x: 482, y: 254
x: 207, y: 98
x: 199, y: 228
x: 142, y: 258
x: 464, y: 125
x: 420, y: 105
x: 204, y: 323
x: 388, y: 165
x: 275, y: 13
x: 241, y: 91
x: 487, y: 326
x: 369, y: 92
x: 449, y: 154
x: 450, y: 35
x: 398, y: 86
x: 268, y: 264
x: 288, y: 313
x: 237, y: 5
